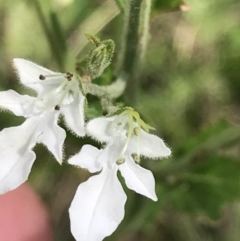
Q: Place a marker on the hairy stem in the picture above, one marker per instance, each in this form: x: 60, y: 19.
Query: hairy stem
x: 134, y: 44
x: 144, y: 29
x: 102, y: 94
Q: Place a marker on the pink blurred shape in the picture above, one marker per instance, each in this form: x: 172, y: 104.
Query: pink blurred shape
x: 23, y: 216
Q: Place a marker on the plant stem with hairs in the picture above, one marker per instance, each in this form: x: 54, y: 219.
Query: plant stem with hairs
x: 134, y: 43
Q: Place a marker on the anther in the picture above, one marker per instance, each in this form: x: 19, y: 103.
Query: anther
x: 136, y: 131
x: 120, y: 161
x: 105, y: 112
x: 69, y: 76
x: 42, y: 77
x: 136, y: 158
x: 57, y: 107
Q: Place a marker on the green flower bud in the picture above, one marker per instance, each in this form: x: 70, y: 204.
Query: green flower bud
x: 100, y: 56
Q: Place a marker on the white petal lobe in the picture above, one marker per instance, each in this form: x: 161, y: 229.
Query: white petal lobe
x: 97, y: 128
x: 74, y: 114
x: 87, y: 158
x: 138, y: 179
x: 52, y: 135
x: 16, y: 155
x: 29, y: 73
x: 20, y: 105
x: 98, y: 207
x: 149, y: 145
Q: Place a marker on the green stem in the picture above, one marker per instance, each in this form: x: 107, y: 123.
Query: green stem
x: 144, y: 28
x: 102, y: 94
x: 130, y: 39
x: 134, y: 43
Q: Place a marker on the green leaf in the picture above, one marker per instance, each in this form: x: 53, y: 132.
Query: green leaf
x: 207, y: 187
x: 58, y: 33
x: 203, y: 136
x: 166, y: 5
x: 121, y: 4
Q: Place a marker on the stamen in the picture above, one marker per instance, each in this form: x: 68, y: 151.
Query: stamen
x: 136, y: 158
x: 130, y: 133
x: 120, y: 161
x: 42, y: 77
x: 135, y: 126
x: 136, y: 131
x: 57, y: 107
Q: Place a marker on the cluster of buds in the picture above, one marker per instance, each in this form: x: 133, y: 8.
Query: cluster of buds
x: 98, y: 205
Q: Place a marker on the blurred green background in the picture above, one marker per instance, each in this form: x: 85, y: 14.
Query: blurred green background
x: 189, y: 90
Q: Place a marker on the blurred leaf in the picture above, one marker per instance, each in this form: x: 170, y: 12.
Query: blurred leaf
x: 121, y: 4
x: 50, y: 35
x: 58, y: 33
x: 194, y: 149
x: 207, y: 187
x: 73, y: 16
x: 204, y: 135
x: 230, y: 62
x: 166, y: 5
x: 95, y: 22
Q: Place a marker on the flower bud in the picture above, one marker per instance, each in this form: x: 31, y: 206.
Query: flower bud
x: 100, y: 56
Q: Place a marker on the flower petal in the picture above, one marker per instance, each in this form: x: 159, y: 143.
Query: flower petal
x: 29, y: 75
x: 74, y: 114
x: 20, y: 105
x: 138, y: 179
x: 97, y: 128
x: 52, y: 135
x: 16, y: 155
x: 87, y: 158
x: 111, y: 153
x: 149, y: 145
x: 98, y: 207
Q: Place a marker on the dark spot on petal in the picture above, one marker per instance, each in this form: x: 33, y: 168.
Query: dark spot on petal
x: 42, y: 77
x: 57, y: 107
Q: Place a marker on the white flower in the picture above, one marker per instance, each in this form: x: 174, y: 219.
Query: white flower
x: 98, y: 205
x: 56, y: 94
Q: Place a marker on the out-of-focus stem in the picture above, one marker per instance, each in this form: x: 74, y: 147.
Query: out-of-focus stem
x: 49, y: 35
